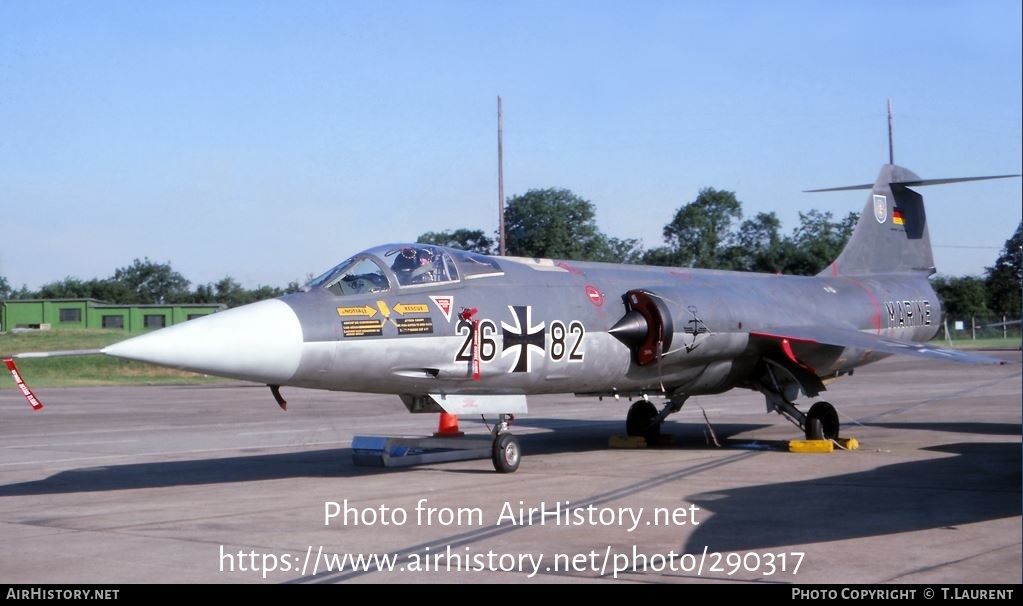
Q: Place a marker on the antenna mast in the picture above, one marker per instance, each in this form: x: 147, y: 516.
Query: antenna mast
x: 891, y: 139
x: 500, y: 176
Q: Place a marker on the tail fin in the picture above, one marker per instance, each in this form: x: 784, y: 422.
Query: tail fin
x: 891, y: 235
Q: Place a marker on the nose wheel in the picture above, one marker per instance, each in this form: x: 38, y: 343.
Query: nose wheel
x: 505, y: 452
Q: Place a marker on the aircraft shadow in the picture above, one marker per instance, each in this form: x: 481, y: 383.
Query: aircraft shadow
x: 251, y: 468
x: 581, y: 436
x: 985, y: 429
x: 980, y: 483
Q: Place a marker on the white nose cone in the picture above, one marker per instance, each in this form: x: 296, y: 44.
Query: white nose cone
x: 258, y: 342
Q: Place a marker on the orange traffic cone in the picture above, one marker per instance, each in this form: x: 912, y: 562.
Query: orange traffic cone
x: 448, y: 427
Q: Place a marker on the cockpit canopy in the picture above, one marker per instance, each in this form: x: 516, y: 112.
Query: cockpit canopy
x: 403, y: 266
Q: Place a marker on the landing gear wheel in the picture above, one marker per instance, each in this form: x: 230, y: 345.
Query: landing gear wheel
x: 638, y: 421
x: 822, y: 422
x: 506, y: 453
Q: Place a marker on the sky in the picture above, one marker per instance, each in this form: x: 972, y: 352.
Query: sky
x: 267, y: 141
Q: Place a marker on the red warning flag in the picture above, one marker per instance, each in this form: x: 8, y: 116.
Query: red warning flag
x: 33, y: 401
x: 475, y: 350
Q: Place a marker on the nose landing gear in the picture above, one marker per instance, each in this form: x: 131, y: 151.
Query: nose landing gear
x: 505, y: 452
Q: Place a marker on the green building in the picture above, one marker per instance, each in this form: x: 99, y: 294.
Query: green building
x: 90, y: 313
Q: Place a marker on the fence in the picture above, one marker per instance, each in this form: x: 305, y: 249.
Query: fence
x: 977, y: 328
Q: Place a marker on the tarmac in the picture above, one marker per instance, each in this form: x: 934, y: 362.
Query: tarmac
x: 215, y: 484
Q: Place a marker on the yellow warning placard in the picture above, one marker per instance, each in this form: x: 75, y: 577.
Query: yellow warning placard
x: 412, y: 308
x: 414, y: 326
x: 362, y: 328
x: 365, y: 310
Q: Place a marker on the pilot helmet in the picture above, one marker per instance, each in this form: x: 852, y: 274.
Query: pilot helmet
x: 425, y: 256
x: 406, y: 259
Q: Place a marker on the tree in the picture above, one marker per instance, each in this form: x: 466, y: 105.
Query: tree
x: 148, y: 282
x: 204, y: 293
x: 963, y: 297
x: 266, y: 292
x: 472, y: 240
x: 556, y: 223
x: 698, y: 229
x: 756, y: 246
x: 628, y: 250
x: 68, y: 288
x: 1004, y: 279
x: 23, y: 293
x: 229, y: 292
x: 662, y: 255
x: 151, y: 282
x: 73, y: 288
x: 110, y: 290
x: 816, y: 242
x: 232, y: 294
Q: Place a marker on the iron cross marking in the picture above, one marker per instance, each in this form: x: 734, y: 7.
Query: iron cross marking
x: 523, y: 335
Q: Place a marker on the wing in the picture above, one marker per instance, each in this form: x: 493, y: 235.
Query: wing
x: 847, y: 337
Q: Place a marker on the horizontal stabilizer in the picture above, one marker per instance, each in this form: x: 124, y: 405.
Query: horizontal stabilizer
x: 913, y: 183
x: 842, y: 337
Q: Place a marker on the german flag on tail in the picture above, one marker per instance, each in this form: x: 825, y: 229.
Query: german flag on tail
x: 897, y: 217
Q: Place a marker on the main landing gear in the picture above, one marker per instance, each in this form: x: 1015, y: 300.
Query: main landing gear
x: 644, y: 420
x: 505, y: 452
x: 821, y: 422
x: 781, y: 383
x: 818, y: 423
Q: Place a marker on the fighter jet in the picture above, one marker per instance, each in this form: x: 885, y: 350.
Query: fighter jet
x: 468, y: 334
